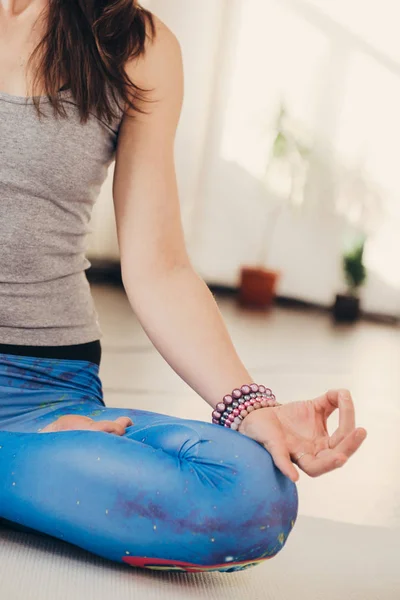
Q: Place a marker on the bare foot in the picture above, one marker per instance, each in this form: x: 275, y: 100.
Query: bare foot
x: 77, y: 422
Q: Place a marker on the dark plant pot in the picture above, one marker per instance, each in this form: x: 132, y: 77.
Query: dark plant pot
x: 257, y: 287
x: 346, y: 308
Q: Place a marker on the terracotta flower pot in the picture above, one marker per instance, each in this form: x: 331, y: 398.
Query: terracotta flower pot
x: 257, y: 287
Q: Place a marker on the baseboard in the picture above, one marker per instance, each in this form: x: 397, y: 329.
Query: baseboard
x: 109, y: 272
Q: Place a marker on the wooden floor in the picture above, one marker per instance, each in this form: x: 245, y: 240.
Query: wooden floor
x: 300, y: 354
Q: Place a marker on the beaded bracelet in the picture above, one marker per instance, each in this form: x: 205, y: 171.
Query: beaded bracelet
x: 236, y: 406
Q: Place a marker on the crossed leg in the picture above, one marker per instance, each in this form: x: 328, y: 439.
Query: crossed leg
x: 169, y: 493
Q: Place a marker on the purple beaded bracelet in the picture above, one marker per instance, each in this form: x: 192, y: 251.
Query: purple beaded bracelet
x: 236, y: 406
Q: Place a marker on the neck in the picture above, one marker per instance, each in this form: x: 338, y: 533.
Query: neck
x: 17, y: 7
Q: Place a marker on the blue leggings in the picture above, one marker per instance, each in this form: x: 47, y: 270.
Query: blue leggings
x: 171, y: 494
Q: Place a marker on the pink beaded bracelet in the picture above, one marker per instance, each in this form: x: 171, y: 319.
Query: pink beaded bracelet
x: 236, y: 406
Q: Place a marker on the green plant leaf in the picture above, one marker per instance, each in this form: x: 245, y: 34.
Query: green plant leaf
x: 355, y: 271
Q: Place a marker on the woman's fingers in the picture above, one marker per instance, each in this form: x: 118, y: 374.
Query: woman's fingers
x: 351, y: 443
x: 281, y: 458
x: 117, y: 427
x: 108, y: 427
x: 342, y: 400
x: 315, y: 466
x: 329, y: 460
x: 124, y: 421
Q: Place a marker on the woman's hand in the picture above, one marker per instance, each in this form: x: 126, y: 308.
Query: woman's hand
x: 297, y: 432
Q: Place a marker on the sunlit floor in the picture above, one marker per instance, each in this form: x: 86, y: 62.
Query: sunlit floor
x: 345, y: 545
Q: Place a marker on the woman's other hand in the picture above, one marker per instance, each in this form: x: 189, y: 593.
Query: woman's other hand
x: 78, y: 422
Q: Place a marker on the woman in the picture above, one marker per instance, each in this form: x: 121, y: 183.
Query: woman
x: 83, y: 83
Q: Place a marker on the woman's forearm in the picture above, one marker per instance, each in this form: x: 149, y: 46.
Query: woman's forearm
x: 181, y: 317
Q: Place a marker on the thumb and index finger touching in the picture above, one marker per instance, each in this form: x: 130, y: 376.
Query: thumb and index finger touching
x: 343, y: 401
x: 344, y: 441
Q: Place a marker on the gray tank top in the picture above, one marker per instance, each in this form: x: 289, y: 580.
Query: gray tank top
x: 51, y: 172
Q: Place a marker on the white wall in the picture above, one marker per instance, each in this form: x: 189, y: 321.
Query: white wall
x: 315, y: 68
x: 198, y: 28
x: 225, y: 208
x: 102, y: 242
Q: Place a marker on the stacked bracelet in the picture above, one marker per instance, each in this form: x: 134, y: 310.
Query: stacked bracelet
x: 236, y: 406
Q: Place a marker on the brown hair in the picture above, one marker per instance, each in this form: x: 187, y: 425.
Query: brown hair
x: 85, y: 47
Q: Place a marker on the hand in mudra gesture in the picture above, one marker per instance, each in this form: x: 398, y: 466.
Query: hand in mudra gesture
x: 297, y: 433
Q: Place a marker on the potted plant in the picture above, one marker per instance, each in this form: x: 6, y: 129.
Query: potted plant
x: 284, y: 180
x: 360, y: 202
x: 347, y: 306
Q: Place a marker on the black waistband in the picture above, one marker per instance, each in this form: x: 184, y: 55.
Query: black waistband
x: 90, y: 351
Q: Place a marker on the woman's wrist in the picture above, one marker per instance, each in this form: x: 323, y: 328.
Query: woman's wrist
x: 236, y: 406
x: 249, y: 425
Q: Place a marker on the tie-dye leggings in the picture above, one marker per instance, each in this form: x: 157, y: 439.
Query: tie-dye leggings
x: 171, y: 494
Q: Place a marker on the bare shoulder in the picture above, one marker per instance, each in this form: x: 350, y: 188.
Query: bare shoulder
x: 162, y: 59
x: 164, y: 36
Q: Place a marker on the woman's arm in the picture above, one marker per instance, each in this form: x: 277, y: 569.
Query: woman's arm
x: 172, y: 303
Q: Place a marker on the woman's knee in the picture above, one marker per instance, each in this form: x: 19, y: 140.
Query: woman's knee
x: 254, y: 506
x: 235, y: 497
x: 265, y: 487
